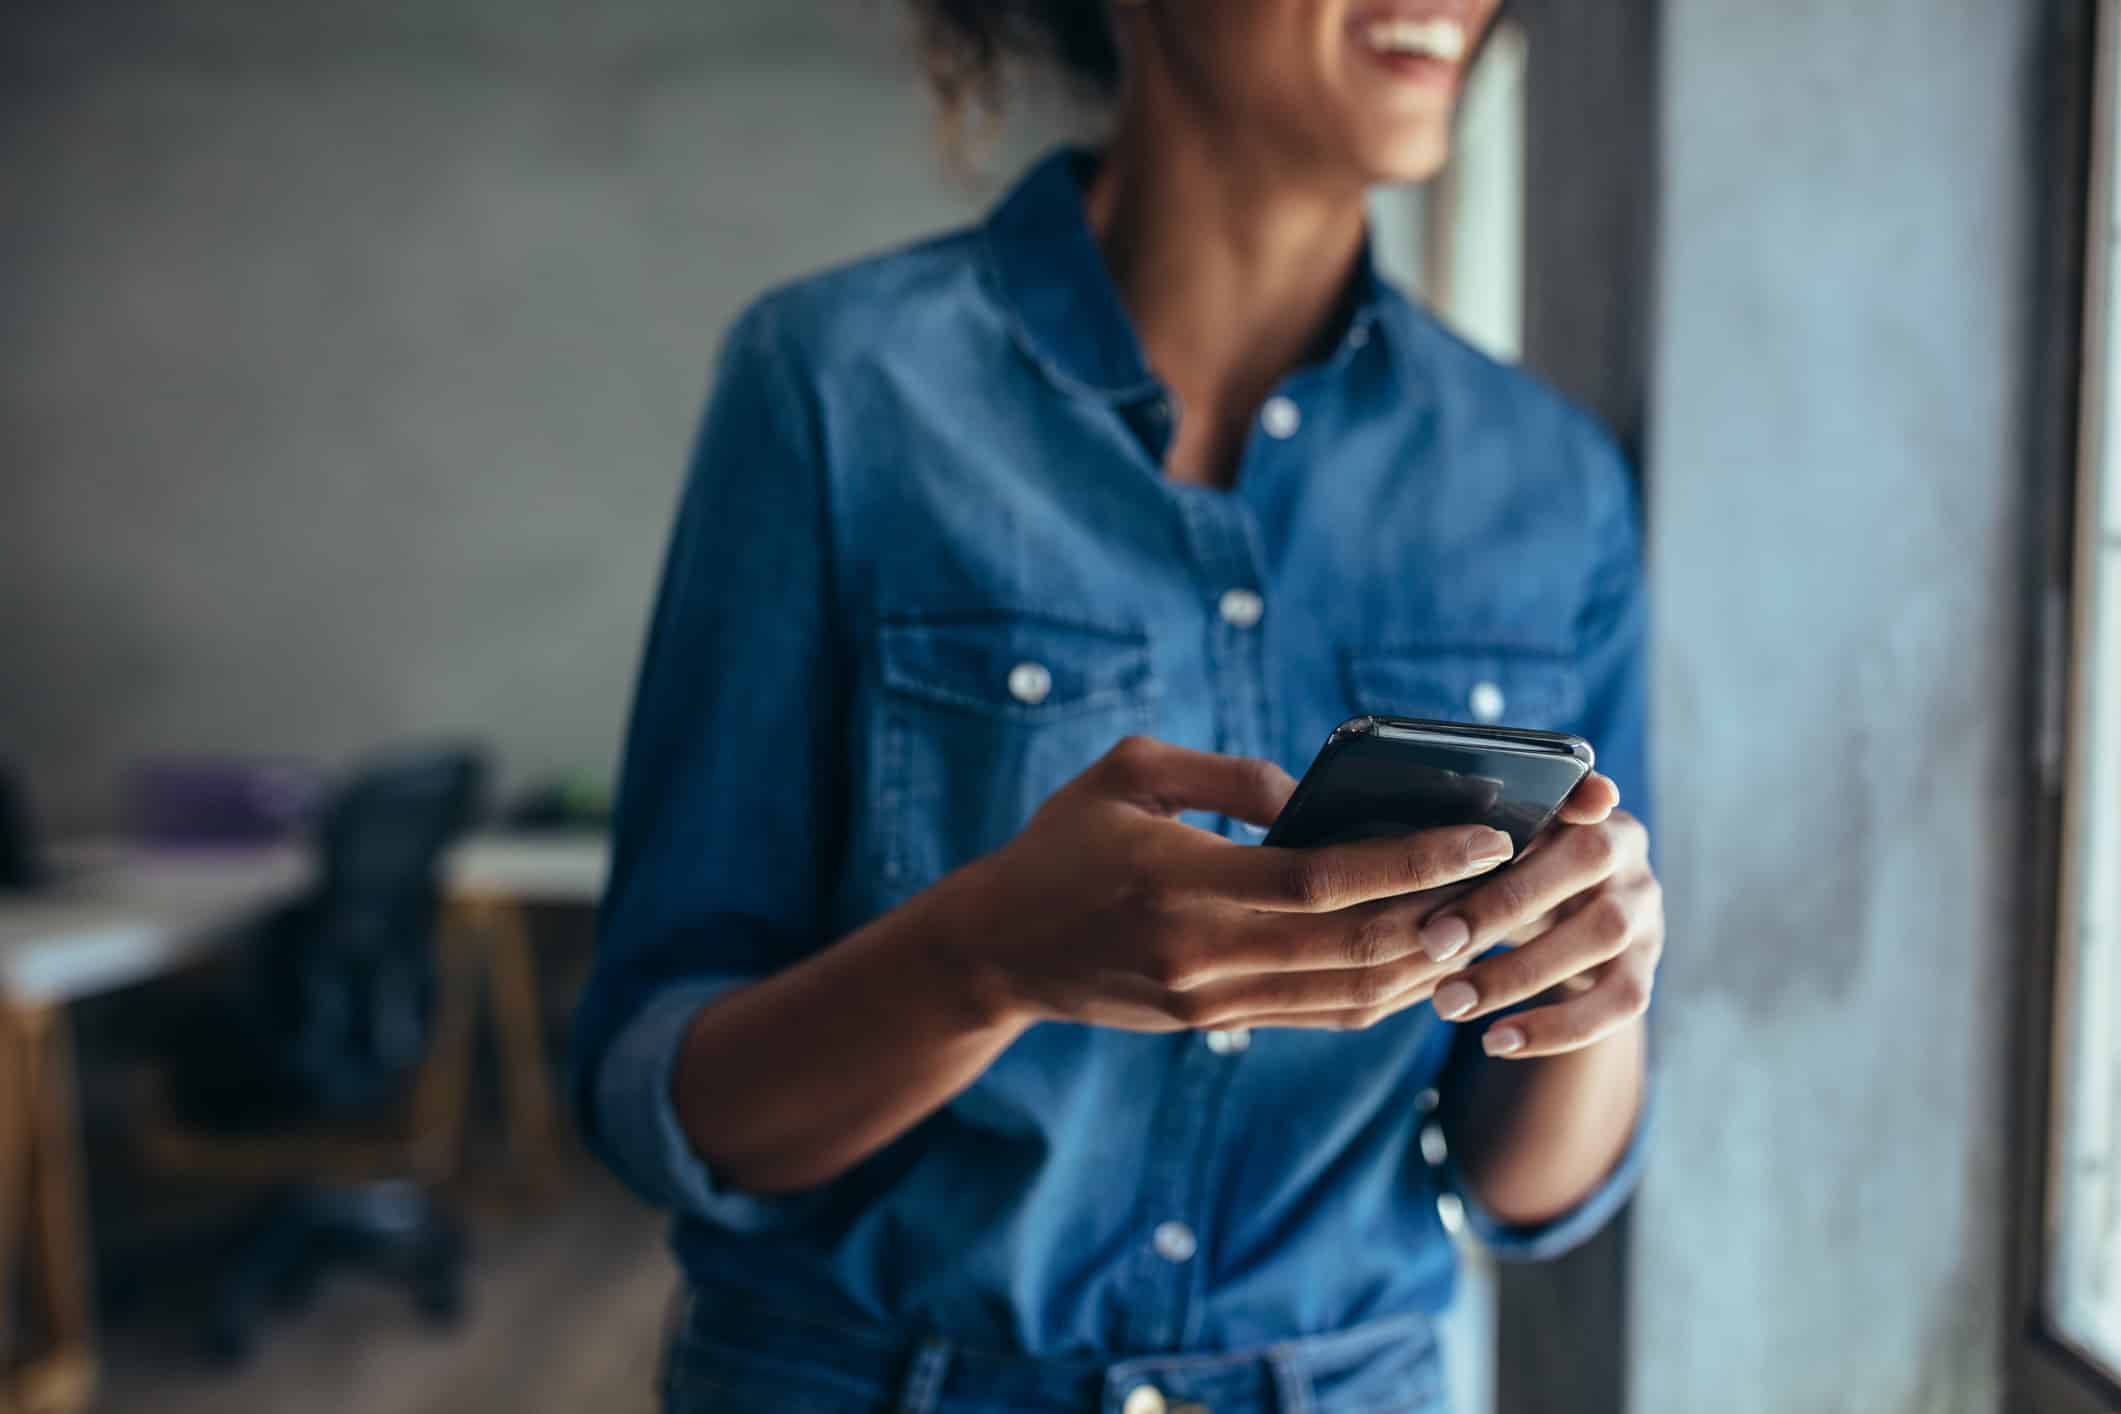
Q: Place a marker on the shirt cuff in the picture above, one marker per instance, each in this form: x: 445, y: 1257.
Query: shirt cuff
x: 637, y: 1120
x: 1539, y: 1242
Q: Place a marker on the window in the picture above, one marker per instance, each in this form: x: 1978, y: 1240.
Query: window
x: 2068, y: 1357
x: 1458, y: 241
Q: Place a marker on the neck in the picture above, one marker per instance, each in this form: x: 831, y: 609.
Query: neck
x: 1233, y: 267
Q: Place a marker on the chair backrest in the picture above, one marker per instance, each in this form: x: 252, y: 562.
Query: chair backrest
x: 21, y: 864
x: 354, y: 982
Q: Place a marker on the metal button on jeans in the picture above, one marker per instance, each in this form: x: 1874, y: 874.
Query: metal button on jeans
x: 1486, y: 702
x: 1029, y: 683
x: 1144, y: 1399
x: 1281, y: 417
x: 1241, y: 608
x: 1174, y: 1242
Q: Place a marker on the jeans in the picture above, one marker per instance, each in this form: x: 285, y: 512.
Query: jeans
x: 725, y: 1356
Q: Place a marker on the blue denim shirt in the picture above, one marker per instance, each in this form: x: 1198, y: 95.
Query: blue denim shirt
x: 925, y: 571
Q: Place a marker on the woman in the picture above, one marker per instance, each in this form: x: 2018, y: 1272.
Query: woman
x: 944, y: 992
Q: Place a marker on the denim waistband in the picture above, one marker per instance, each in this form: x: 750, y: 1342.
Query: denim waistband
x: 729, y: 1355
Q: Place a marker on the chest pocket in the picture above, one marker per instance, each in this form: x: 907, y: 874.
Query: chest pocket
x: 1492, y: 688
x: 980, y: 719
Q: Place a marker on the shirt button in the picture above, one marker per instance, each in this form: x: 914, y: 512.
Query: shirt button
x: 1358, y: 335
x: 1486, y: 702
x: 1433, y: 1146
x: 1174, y: 1242
x: 1029, y: 683
x: 1241, y: 608
x: 1144, y: 1399
x: 1230, y: 1042
x: 1281, y: 417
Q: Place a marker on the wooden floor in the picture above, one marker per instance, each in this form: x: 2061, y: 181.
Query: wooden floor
x: 567, y: 1302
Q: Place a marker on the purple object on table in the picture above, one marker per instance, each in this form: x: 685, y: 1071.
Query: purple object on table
x: 203, y: 800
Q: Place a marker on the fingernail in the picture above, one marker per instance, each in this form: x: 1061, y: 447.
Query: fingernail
x: 1492, y: 848
x: 1443, y: 937
x: 1455, y: 999
x: 1502, y: 1041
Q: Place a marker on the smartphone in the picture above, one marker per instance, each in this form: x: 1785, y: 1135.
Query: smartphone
x: 1396, y: 775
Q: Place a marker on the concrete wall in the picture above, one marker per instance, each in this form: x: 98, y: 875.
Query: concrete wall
x: 1836, y: 481
x: 353, y: 351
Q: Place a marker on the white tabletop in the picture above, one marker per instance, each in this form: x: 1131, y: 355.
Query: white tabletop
x: 118, y: 915
x: 560, y: 867
x: 115, y: 916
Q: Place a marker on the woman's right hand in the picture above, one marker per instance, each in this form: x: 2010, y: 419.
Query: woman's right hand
x: 1109, y: 911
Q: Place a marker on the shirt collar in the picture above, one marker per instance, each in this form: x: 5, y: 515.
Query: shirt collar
x: 1063, y: 308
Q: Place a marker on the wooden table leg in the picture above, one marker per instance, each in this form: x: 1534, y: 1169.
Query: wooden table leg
x: 14, y: 1197
x: 62, y: 1378
x: 519, y: 1045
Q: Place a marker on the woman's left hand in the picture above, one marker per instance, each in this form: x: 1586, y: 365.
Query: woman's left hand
x: 1585, y: 918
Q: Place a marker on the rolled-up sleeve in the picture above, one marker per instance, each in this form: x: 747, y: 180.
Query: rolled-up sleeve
x: 729, y: 794
x: 1612, y: 651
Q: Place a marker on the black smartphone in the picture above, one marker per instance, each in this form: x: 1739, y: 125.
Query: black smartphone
x: 1396, y: 775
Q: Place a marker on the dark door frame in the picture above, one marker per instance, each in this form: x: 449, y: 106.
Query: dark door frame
x: 2042, y: 1373
x: 1591, y: 166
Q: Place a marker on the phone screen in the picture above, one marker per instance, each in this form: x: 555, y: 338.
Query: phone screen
x: 1366, y: 785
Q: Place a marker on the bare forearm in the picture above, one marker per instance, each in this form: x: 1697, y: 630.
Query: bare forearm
x: 1536, y: 1137
x: 793, y: 1080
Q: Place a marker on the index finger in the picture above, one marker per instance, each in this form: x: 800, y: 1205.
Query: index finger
x: 1330, y: 877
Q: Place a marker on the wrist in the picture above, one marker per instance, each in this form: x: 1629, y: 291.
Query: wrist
x: 939, y: 944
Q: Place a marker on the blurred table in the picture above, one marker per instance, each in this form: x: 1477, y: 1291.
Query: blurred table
x: 110, y: 917
x: 492, y: 880
x: 114, y: 916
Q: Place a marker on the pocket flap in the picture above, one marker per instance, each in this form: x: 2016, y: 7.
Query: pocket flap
x: 1017, y: 666
x: 1500, y: 687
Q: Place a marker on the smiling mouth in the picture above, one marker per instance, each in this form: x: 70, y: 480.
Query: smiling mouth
x: 1440, y: 39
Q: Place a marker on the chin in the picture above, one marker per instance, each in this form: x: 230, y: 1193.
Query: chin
x: 1414, y: 157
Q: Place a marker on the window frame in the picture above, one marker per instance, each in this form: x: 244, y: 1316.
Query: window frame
x: 2073, y: 164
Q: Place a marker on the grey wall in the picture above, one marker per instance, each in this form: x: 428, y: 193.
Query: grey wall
x: 1836, y: 481
x: 352, y: 351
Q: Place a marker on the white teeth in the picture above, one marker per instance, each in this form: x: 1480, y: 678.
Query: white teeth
x: 1443, y: 39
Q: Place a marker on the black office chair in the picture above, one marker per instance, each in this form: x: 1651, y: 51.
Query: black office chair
x: 336, y: 1068
x: 21, y: 866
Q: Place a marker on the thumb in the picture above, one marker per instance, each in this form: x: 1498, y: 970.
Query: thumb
x: 1166, y: 779
x: 1594, y: 798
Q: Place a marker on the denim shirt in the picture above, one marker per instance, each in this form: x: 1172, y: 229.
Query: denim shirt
x: 926, y: 570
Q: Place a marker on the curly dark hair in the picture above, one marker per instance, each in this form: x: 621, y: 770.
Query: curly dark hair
x: 966, y: 44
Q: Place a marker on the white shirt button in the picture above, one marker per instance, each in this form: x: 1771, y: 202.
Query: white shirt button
x: 1486, y: 702
x: 1144, y: 1399
x: 1433, y: 1147
x: 1030, y: 683
x: 1229, y: 1042
x: 1174, y: 1242
x: 1358, y: 336
x: 1281, y: 417
x: 1451, y: 1212
x: 1241, y: 608
x: 1427, y: 1101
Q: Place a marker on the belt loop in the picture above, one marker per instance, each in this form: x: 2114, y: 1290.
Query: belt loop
x: 1292, y: 1385
x: 924, y: 1377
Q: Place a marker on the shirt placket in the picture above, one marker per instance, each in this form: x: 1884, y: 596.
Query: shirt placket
x: 1228, y: 575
